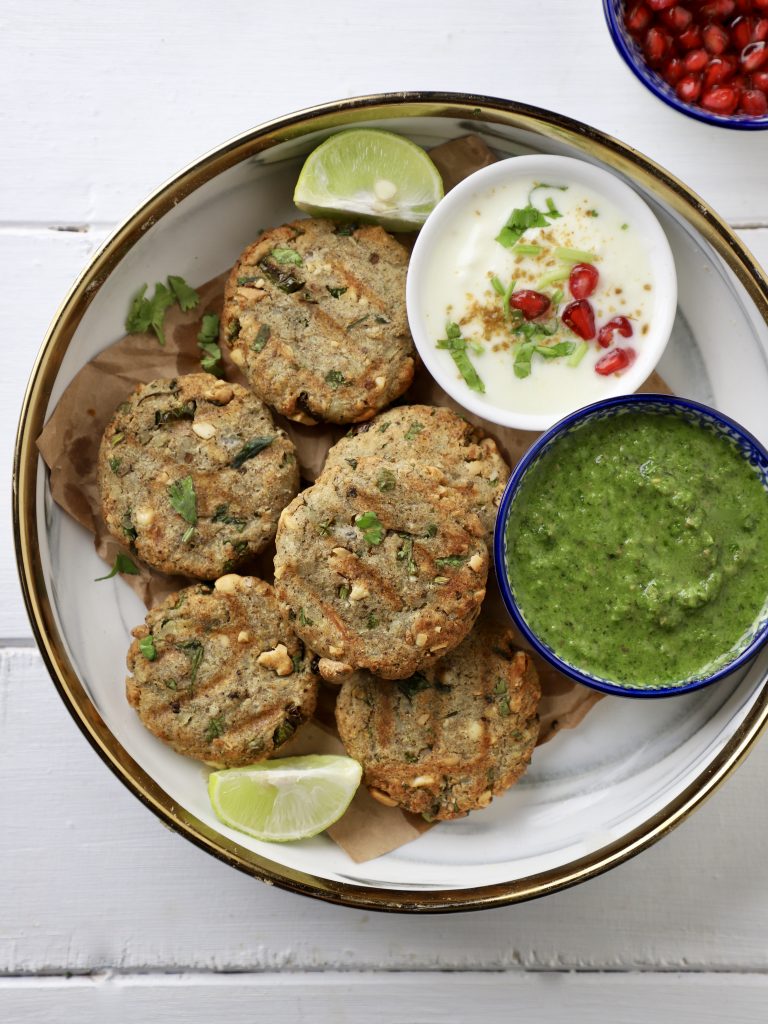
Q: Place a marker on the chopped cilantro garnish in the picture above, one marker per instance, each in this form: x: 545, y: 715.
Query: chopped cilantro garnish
x: 251, y: 448
x: 117, y: 438
x: 345, y: 230
x: 194, y: 651
x: 188, y: 534
x: 578, y: 353
x: 122, y: 564
x: 343, y: 592
x: 282, y: 279
x: 336, y: 293
x: 283, y: 255
x: 356, y: 323
x: 207, y: 340
x: 261, y: 339
x: 234, y: 329
x: 528, y: 216
x: 183, y: 499
x: 432, y: 530
x: 624, y: 227
x: 304, y: 620
x: 114, y: 465
x: 283, y: 733
x: 497, y: 286
x: 457, y: 346
x: 297, y: 661
x: 405, y: 554
x: 413, y: 685
x: 575, y: 255
x: 371, y: 527
x: 562, y: 348
x: 221, y: 515
x: 372, y: 622
x: 387, y: 480
x: 183, y: 411
x: 592, y: 213
x: 215, y: 728
x: 351, y: 462
x: 452, y: 560
x: 414, y: 429
x: 522, y: 364
x: 186, y: 297
x: 147, y: 647
x: 335, y: 378
x: 518, y: 223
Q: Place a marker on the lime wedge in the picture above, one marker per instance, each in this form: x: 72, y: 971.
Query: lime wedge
x: 285, y: 799
x: 370, y: 175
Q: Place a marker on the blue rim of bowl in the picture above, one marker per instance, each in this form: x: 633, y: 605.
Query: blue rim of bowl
x: 660, y: 89
x: 581, y: 415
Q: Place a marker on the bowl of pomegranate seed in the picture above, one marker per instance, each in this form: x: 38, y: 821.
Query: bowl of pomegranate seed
x: 540, y: 284
x: 706, y: 58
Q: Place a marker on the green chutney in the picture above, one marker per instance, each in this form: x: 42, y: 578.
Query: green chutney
x: 637, y: 549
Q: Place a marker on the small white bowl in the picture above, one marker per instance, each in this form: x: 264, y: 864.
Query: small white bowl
x: 546, y: 168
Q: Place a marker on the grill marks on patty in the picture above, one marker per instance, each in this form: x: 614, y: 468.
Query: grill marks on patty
x: 195, y: 428
x: 208, y: 691
x: 323, y: 335
x: 448, y: 739
x: 381, y: 597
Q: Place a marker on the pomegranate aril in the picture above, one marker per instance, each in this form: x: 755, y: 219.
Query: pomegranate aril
x: 717, y: 10
x: 618, y: 323
x: 760, y: 31
x: 741, y: 32
x: 676, y: 19
x: 715, y: 39
x: 691, y: 38
x: 615, y: 361
x: 723, y: 99
x: 760, y: 5
x: 695, y: 60
x: 672, y: 70
x: 760, y: 80
x: 753, y: 102
x: 660, y: 5
x: 530, y: 303
x: 657, y: 43
x: 744, y: 6
x: 580, y: 318
x: 753, y: 57
x: 689, y: 88
x: 637, y: 19
x: 739, y: 82
x: 718, y: 70
x: 583, y: 280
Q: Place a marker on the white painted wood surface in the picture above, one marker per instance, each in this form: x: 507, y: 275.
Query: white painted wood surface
x: 101, y: 102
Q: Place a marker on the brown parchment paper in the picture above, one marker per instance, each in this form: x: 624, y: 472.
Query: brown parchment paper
x: 69, y: 445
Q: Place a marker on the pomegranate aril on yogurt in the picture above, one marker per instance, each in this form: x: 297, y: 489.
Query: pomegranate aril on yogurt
x: 580, y: 318
x: 583, y: 280
x: 618, y: 323
x: 713, y: 53
x: 615, y: 361
x: 530, y: 303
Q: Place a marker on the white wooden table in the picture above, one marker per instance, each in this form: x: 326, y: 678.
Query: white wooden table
x: 106, y: 916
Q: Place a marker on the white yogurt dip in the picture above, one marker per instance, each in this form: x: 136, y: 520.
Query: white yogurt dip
x: 468, y: 272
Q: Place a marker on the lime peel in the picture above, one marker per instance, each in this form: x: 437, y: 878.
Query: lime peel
x: 372, y: 176
x: 287, y: 798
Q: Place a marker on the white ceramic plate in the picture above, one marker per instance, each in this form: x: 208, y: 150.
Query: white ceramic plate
x: 594, y: 795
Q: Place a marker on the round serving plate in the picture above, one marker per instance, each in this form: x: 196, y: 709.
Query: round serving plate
x: 594, y: 795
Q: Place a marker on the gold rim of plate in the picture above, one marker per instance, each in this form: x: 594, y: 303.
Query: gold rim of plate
x: 469, y: 108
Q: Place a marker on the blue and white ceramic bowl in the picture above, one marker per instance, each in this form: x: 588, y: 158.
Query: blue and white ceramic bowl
x: 695, y: 413
x: 652, y: 80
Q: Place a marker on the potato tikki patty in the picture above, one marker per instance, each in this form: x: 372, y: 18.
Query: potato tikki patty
x: 450, y: 738
x: 315, y: 316
x: 219, y: 675
x: 434, y: 436
x: 194, y: 473
x: 381, y: 567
